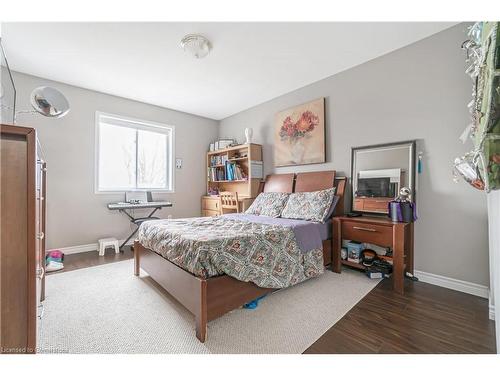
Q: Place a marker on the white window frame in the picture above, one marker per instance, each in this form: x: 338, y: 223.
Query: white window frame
x: 136, y: 124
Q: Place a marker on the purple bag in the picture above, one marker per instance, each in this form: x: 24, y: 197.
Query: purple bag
x: 404, y: 212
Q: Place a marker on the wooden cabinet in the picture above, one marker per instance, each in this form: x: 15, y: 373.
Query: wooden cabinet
x: 378, y: 231
x: 22, y: 253
x: 210, y: 205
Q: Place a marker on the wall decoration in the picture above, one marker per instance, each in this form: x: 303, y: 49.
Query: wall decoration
x: 481, y: 166
x: 300, y: 134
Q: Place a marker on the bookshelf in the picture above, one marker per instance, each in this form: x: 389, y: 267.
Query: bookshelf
x: 244, y: 161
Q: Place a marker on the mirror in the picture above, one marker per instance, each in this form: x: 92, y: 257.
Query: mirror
x: 378, y: 173
x: 49, y: 102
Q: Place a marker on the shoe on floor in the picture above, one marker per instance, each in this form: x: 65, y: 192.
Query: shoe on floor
x: 54, y: 266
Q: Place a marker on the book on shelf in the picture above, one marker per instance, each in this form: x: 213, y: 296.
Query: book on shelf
x: 218, y: 159
x: 231, y: 172
x: 216, y: 174
x: 238, y: 173
x: 234, y: 172
x: 228, y: 171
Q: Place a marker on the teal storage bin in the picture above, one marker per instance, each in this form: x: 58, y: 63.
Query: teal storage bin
x: 354, y: 250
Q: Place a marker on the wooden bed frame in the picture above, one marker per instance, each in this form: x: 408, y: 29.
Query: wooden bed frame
x: 211, y: 298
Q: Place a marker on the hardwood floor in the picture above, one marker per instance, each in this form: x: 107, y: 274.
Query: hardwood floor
x: 91, y: 258
x: 426, y: 319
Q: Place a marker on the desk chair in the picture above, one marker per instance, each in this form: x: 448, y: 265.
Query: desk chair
x: 229, y: 201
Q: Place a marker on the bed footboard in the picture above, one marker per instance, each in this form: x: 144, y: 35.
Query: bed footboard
x: 206, y: 299
x: 186, y: 288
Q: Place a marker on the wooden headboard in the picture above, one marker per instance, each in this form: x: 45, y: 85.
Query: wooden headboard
x: 314, y: 181
x: 282, y: 183
x: 307, y: 181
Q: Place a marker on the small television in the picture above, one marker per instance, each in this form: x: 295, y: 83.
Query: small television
x: 383, y: 183
x: 376, y: 187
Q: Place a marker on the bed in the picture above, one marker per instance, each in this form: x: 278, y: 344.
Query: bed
x: 207, y: 293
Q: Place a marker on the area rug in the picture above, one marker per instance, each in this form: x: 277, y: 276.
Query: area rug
x: 106, y: 309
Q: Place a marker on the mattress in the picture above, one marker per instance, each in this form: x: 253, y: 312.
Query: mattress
x: 309, y: 234
x: 269, y: 252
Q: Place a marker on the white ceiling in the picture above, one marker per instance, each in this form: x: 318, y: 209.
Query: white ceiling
x: 250, y: 62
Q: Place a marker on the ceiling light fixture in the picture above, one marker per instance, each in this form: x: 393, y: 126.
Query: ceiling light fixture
x: 196, y: 45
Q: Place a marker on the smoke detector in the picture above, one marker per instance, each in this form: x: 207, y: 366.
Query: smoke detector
x: 196, y: 45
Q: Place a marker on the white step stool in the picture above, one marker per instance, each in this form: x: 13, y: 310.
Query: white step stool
x: 104, y: 242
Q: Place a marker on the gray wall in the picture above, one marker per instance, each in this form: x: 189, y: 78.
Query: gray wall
x: 78, y: 216
x: 418, y: 92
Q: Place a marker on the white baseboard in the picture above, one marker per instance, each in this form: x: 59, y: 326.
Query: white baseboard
x: 77, y: 249
x: 455, y: 284
x: 85, y: 248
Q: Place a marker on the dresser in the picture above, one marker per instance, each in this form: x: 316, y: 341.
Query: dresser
x: 378, y: 231
x: 22, y: 256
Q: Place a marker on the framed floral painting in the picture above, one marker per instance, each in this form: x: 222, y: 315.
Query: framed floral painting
x: 299, y: 136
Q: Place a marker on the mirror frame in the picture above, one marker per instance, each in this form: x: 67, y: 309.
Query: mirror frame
x: 413, y: 153
x: 55, y: 100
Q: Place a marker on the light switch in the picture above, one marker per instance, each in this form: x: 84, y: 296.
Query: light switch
x: 178, y: 163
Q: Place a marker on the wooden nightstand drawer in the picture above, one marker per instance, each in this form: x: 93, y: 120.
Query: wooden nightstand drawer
x: 209, y: 213
x: 210, y: 203
x: 365, y: 232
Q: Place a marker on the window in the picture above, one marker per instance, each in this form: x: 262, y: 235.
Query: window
x: 133, y: 154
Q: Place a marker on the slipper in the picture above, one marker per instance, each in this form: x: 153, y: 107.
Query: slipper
x: 54, y: 266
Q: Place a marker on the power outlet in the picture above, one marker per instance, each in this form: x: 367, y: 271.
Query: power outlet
x: 178, y: 163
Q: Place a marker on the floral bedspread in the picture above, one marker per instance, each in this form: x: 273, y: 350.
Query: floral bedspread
x: 267, y: 255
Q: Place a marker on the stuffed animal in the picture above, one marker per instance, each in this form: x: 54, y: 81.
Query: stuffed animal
x: 404, y: 195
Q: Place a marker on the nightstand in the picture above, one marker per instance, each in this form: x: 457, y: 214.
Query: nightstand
x: 378, y: 231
